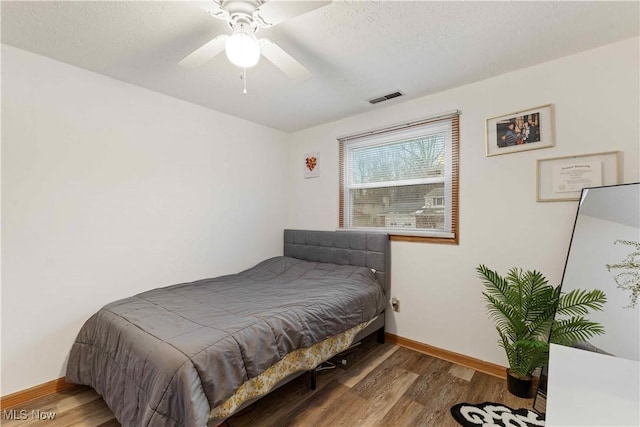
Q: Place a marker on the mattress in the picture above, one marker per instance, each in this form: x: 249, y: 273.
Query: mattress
x: 170, y: 356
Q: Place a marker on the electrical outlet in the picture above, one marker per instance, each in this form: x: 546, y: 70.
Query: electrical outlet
x: 395, y: 304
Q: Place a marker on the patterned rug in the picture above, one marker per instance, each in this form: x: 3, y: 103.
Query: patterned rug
x: 489, y: 414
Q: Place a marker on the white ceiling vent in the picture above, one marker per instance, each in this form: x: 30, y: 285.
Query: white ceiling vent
x: 385, y: 97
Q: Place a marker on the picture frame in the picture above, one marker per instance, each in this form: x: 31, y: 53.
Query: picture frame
x: 312, y: 165
x: 523, y: 130
x: 563, y: 178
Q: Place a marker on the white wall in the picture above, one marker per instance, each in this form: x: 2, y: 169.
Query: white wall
x: 108, y: 190
x: 596, y: 100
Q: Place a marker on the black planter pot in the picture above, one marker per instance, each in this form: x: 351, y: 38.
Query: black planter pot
x: 521, y: 387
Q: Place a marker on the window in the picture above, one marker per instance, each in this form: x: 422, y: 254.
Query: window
x: 403, y: 180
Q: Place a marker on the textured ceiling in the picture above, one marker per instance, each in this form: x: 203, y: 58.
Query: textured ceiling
x: 355, y: 50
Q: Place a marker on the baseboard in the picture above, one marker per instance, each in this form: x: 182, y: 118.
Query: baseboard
x: 449, y: 356
x: 42, y: 390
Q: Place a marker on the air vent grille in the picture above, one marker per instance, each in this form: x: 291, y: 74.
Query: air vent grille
x: 385, y: 97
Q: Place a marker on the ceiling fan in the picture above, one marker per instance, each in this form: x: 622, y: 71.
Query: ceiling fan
x: 242, y: 47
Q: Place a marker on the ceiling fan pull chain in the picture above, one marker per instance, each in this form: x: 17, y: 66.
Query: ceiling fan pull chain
x: 244, y: 81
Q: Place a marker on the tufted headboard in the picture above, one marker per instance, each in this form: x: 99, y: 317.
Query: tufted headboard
x: 344, y: 248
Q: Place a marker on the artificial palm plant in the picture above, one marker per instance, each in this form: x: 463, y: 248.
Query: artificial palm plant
x: 523, y: 305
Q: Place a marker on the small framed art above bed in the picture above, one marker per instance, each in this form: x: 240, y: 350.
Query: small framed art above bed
x: 193, y: 354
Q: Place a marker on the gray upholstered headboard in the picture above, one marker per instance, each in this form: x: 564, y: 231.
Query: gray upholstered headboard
x: 344, y: 248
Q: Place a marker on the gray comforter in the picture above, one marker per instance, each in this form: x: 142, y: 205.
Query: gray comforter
x: 167, y: 356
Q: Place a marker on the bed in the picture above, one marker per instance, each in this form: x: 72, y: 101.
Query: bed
x: 194, y: 354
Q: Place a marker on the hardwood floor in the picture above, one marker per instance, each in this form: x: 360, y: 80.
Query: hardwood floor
x: 381, y: 385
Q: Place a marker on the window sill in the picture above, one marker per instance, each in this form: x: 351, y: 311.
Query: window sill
x: 423, y: 239
x: 412, y: 236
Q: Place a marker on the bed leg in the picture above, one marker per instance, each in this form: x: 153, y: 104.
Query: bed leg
x: 313, y: 379
x: 380, y: 335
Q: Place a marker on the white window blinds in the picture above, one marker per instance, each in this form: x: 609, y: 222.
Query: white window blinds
x: 403, y: 180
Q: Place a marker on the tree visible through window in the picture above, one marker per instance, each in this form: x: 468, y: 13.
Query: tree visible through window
x: 402, y: 180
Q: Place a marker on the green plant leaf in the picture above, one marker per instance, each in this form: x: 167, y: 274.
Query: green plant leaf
x: 496, y: 285
x: 574, y: 330
x: 580, y: 301
x: 506, y: 318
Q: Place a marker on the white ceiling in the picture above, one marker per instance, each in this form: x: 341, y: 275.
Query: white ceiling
x: 356, y: 50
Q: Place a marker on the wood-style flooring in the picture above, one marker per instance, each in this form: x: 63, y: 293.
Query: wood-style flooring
x: 381, y: 385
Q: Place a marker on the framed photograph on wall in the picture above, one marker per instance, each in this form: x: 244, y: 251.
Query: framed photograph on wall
x: 520, y: 131
x: 563, y: 178
x: 312, y: 165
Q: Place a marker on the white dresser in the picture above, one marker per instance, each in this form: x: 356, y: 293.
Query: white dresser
x: 591, y: 389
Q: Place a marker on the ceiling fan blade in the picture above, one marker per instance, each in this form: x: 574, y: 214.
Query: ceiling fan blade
x: 205, y: 52
x: 285, y: 62
x: 274, y: 12
x: 213, y: 8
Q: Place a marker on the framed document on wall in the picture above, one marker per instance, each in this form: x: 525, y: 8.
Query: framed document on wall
x: 563, y: 178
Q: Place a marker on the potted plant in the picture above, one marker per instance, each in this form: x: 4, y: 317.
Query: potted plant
x: 523, y: 306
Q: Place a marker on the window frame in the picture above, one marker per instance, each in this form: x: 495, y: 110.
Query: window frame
x: 397, y: 133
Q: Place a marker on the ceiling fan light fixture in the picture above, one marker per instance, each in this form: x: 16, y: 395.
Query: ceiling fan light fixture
x: 242, y: 48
